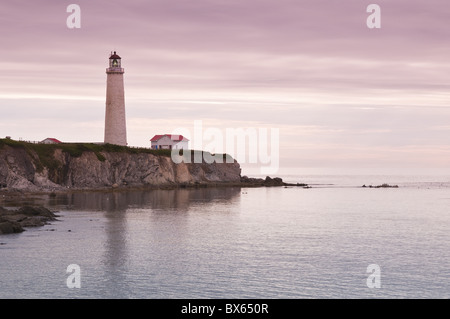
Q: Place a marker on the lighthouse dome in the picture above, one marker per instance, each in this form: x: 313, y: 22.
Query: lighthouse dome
x: 114, y: 56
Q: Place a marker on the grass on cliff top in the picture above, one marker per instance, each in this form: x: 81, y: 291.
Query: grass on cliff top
x: 46, y: 151
x: 77, y: 149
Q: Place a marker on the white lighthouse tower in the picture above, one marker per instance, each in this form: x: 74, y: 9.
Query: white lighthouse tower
x: 115, y: 120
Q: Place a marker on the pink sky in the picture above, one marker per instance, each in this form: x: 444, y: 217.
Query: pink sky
x: 342, y: 95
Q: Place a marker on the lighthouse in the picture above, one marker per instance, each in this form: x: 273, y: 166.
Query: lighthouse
x: 115, y: 120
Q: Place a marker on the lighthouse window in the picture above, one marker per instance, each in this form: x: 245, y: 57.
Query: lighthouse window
x: 115, y: 62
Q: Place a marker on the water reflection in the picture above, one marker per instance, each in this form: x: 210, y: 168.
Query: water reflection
x: 124, y: 239
x: 176, y: 199
x: 116, y: 250
x: 131, y: 241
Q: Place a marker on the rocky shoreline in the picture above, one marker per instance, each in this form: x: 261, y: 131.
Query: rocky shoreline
x: 72, y: 167
x: 16, y: 220
x: 244, y: 182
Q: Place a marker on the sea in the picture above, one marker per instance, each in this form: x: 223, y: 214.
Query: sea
x: 333, y: 240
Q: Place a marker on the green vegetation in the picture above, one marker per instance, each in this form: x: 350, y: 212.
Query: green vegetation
x: 10, y: 142
x: 76, y: 149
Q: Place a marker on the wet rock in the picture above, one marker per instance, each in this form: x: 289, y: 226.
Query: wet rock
x: 14, y: 221
x: 8, y: 227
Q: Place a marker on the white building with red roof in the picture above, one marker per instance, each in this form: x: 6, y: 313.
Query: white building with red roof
x: 50, y: 140
x: 169, y: 141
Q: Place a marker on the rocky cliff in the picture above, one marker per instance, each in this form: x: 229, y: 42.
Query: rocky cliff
x: 33, y: 167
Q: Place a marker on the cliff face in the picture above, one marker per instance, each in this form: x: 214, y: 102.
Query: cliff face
x: 23, y: 169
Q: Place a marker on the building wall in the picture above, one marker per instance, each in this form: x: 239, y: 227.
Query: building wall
x: 163, y: 143
x: 48, y: 141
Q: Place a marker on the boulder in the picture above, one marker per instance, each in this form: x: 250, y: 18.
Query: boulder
x: 14, y: 221
x: 8, y: 227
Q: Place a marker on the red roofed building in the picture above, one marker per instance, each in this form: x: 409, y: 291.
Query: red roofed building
x: 169, y: 141
x: 50, y: 140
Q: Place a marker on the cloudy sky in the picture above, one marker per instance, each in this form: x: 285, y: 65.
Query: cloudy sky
x: 341, y: 94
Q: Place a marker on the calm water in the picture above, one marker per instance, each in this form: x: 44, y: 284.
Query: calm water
x: 240, y: 243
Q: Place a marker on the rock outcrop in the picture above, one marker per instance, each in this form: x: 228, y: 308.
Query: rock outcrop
x: 256, y: 182
x: 24, y: 168
x: 381, y: 186
x: 268, y: 182
x: 14, y: 221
